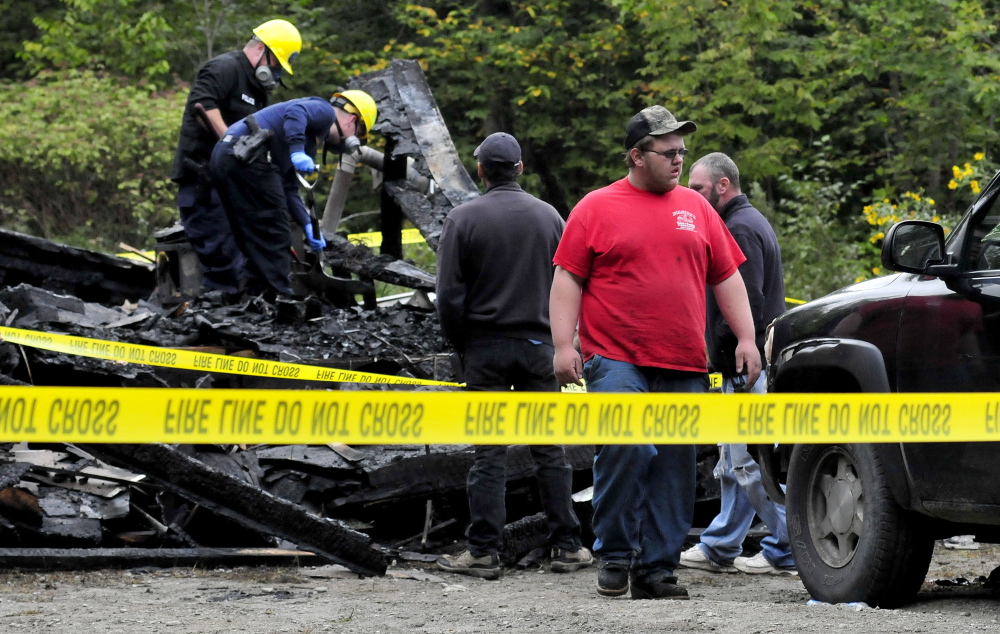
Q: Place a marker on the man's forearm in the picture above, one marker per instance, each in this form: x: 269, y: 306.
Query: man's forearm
x: 564, y: 306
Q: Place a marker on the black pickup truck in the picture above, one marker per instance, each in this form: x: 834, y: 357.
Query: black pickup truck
x: 863, y: 517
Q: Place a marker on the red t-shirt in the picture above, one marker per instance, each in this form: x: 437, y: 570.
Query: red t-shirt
x: 646, y: 259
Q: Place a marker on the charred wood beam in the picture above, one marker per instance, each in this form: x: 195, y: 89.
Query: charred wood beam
x: 360, y: 260
x: 88, y: 275
x: 442, y: 471
x: 392, y: 214
x: 411, y: 121
x: 99, y: 558
x: 523, y: 536
x: 248, y: 505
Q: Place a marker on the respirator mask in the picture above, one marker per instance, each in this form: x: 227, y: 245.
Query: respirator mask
x: 268, y: 76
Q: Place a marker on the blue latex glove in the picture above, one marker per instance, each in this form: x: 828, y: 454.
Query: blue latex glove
x: 316, y: 243
x: 303, y: 163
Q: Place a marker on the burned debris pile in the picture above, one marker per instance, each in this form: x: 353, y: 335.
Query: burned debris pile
x: 130, y: 505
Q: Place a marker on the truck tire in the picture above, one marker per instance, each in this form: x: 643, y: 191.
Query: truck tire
x: 850, y: 539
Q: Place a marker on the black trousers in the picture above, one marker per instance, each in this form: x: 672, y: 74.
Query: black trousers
x: 254, y: 199
x: 498, y: 364
x: 207, y: 228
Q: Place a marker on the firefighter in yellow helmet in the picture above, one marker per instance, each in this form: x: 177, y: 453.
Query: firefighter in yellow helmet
x: 226, y: 89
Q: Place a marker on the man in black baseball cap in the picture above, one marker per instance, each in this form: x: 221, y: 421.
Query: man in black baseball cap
x: 498, y: 148
x: 494, y: 274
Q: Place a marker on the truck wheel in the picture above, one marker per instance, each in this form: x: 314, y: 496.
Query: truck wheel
x: 850, y: 539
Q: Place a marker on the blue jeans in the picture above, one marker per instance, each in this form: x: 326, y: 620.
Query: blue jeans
x: 743, y: 496
x: 643, y: 494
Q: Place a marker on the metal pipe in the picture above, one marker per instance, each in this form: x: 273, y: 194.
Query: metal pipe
x: 342, y: 182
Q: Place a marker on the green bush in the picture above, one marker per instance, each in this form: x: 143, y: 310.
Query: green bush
x: 86, y: 158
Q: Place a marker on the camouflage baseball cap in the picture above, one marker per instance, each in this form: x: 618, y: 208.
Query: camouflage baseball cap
x: 654, y: 121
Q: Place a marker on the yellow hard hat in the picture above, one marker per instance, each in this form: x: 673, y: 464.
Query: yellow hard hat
x: 360, y: 103
x: 283, y: 39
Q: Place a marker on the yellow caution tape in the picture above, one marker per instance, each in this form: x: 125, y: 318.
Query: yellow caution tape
x: 144, y: 256
x: 142, y: 415
x: 192, y: 360
x: 374, y: 238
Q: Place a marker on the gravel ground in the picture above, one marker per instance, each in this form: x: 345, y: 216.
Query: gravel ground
x: 306, y: 600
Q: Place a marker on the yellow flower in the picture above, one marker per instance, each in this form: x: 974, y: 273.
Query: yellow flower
x: 952, y: 184
x: 979, y: 156
x: 875, y: 238
x: 860, y: 278
x: 886, y: 201
x: 936, y: 219
x: 877, y: 270
x: 957, y: 172
x: 975, y: 187
x: 930, y: 201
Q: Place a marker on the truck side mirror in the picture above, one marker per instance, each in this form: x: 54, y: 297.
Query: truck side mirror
x: 912, y: 246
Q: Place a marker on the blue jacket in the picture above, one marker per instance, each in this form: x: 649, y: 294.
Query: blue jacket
x: 299, y: 125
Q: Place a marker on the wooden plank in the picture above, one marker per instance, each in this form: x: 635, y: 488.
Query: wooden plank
x: 248, y: 505
x: 98, y: 558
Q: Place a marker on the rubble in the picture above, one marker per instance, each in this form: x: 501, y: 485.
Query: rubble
x: 123, y: 505
x: 86, y: 275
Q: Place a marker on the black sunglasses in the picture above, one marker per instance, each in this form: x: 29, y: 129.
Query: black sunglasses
x: 670, y: 154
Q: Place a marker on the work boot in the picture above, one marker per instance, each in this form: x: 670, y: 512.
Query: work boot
x: 657, y: 587
x: 695, y: 557
x: 570, y: 560
x: 486, y: 567
x: 612, y: 579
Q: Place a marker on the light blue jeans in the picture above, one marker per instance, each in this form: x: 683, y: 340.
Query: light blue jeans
x: 643, y: 494
x: 743, y: 496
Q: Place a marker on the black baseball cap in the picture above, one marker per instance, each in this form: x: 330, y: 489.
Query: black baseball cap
x: 654, y: 121
x: 498, y: 147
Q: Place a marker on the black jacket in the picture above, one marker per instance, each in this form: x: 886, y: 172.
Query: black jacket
x: 494, y: 266
x: 762, y: 275
x: 227, y: 83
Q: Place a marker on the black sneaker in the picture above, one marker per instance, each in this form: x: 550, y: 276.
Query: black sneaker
x: 662, y: 587
x: 486, y: 567
x: 612, y: 579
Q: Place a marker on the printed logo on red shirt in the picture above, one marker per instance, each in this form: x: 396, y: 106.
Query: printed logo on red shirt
x: 685, y: 220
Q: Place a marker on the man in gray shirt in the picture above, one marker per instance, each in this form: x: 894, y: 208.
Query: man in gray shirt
x: 494, y: 274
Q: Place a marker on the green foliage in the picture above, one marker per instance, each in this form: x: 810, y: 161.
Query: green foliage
x: 86, y: 156
x: 126, y: 37
x: 819, y: 253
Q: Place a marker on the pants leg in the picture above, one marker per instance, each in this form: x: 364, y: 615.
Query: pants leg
x: 555, y: 482
x: 254, y: 200
x: 722, y: 541
x: 743, y: 496
x: 207, y: 228
x: 667, y: 509
x: 668, y: 506
x: 486, y: 488
x: 619, y: 470
x: 776, y: 547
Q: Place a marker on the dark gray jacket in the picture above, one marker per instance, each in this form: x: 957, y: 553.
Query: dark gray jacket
x: 494, y: 266
x: 762, y: 275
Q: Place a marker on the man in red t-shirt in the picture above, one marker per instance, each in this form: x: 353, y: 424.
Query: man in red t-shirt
x: 632, y: 268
